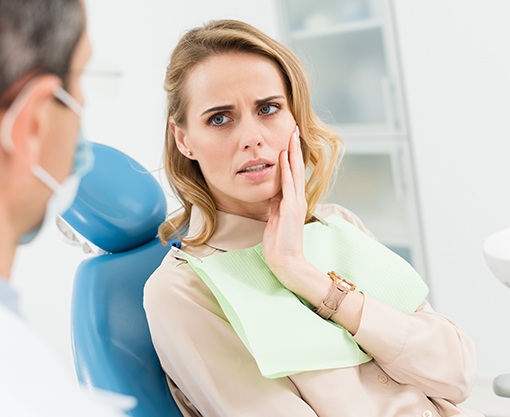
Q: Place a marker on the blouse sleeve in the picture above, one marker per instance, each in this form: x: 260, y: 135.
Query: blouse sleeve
x: 424, y: 348
x: 204, y: 357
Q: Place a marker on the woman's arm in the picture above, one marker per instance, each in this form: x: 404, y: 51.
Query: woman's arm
x: 423, y: 348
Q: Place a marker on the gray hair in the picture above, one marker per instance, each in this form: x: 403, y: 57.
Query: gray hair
x: 39, y: 36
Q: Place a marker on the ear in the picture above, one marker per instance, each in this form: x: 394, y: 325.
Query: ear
x: 30, y: 117
x: 180, y: 137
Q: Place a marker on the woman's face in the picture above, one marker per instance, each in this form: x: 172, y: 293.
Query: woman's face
x: 238, y: 121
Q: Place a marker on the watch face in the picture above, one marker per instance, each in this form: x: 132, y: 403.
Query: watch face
x: 341, y: 283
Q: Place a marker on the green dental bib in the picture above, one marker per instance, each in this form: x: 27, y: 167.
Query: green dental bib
x: 281, y: 331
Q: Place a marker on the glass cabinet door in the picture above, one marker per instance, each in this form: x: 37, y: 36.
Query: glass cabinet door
x: 348, y: 49
x: 343, y: 46
x: 375, y: 182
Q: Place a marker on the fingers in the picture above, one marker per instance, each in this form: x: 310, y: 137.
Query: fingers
x: 288, y: 188
x: 274, y: 207
x: 295, y: 147
x: 293, y: 170
x: 297, y: 165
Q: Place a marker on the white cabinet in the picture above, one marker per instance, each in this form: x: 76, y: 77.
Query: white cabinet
x: 348, y: 47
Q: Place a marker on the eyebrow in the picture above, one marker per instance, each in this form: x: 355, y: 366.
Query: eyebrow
x: 218, y: 108
x: 267, y: 99
x: 231, y: 107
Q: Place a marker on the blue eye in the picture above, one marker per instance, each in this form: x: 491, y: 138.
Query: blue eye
x: 269, y: 109
x: 218, y: 120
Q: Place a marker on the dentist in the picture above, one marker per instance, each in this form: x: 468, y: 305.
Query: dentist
x: 44, y: 47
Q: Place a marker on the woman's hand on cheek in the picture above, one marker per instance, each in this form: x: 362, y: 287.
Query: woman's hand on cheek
x: 282, y: 244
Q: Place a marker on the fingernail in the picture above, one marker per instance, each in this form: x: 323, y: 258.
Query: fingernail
x: 297, y: 132
x: 295, y: 135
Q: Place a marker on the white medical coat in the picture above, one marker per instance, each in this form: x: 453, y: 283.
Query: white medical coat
x: 32, y: 381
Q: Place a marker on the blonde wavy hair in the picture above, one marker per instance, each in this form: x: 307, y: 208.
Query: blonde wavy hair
x: 320, y: 145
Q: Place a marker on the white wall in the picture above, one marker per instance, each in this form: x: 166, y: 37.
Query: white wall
x: 134, y: 37
x: 456, y: 66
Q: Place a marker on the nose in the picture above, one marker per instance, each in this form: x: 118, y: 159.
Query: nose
x: 253, y: 142
x: 252, y: 137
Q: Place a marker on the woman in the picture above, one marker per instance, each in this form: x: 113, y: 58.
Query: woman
x: 249, y: 161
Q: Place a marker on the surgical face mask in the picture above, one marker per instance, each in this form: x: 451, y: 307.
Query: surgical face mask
x: 63, y: 193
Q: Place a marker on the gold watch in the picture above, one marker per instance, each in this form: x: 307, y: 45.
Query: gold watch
x: 340, y: 287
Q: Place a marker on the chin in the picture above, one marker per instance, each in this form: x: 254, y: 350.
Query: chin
x: 254, y: 195
x: 265, y: 191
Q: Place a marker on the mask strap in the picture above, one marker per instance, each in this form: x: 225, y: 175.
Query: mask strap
x: 46, y: 178
x: 12, y: 113
x: 68, y: 100
x: 75, y: 107
x: 20, y: 101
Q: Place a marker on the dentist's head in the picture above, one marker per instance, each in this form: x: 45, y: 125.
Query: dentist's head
x: 43, y: 49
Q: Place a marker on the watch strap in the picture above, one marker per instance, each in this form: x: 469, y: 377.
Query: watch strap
x: 331, y: 303
x: 336, y: 294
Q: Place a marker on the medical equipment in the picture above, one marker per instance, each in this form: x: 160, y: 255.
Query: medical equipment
x: 497, y: 254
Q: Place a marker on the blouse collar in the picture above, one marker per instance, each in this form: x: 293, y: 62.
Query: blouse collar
x: 232, y: 231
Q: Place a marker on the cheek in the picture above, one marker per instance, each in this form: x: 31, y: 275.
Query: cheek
x: 214, y: 159
x: 61, y: 136
x: 285, y: 131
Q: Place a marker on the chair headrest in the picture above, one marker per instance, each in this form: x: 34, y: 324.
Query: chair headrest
x: 119, y: 205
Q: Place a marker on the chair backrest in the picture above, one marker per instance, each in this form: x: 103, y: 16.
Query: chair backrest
x: 118, y: 209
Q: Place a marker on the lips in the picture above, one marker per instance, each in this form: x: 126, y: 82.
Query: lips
x: 256, y: 171
x: 254, y: 166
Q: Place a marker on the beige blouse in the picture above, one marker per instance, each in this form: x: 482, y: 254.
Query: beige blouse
x: 423, y: 363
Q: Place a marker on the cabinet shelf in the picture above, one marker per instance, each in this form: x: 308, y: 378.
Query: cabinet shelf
x: 379, y: 141
x: 366, y: 132
x: 338, y: 29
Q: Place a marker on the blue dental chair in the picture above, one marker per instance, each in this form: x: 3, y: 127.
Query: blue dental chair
x: 118, y: 209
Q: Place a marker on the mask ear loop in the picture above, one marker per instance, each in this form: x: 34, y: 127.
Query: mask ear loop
x: 46, y: 178
x: 68, y: 100
x: 18, y: 104
x: 12, y: 113
x: 75, y: 107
